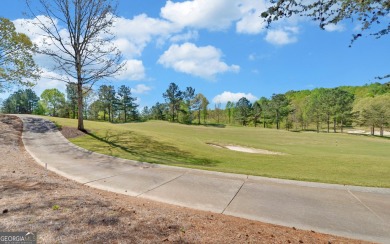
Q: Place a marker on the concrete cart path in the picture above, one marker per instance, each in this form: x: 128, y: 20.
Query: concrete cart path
x: 350, y: 211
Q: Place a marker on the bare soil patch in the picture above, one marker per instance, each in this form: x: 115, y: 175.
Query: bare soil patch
x: 63, y: 211
x: 71, y: 132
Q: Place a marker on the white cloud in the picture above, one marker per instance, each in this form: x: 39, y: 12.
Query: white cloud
x: 292, y: 29
x: 38, y: 36
x: 190, y: 35
x: 251, y: 22
x: 282, y: 36
x: 217, y: 14
x: 227, y: 96
x: 49, y: 80
x: 133, y: 35
x: 134, y: 70
x: 30, y: 28
x: 129, y: 49
x: 141, y: 89
x: 212, y: 15
x: 204, y: 62
x: 333, y: 27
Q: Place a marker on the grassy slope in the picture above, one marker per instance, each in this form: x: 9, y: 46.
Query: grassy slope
x: 331, y: 158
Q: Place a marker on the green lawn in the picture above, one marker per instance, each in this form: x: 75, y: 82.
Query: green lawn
x: 331, y: 158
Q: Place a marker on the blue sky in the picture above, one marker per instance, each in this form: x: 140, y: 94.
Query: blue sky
x: 222, y: 49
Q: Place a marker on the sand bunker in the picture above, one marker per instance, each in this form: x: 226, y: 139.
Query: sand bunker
x: 356, y: 132
x: 246, y: 149
x: 363, y: 132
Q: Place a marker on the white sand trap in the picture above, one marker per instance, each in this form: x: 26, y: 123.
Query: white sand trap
x: 363, y: 132
x: 356, y: 132
x: 252, y: 150
x: 246, y: 149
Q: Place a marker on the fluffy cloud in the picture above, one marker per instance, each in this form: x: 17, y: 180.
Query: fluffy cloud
x: 333, y: 27
x: 38, y: 36
x: 227, y: 96
x: 212, y: 15
x: 30, y: 27
x: 141, y: 89
x: 217, y: 14
x: 134, y: 34
x: 133, y: 70
x: 250, y: 22
x: 130, y: 41
x: 283, y: 36
x: 190, y: 35
x: 49, y: 80
x: 204, y: 62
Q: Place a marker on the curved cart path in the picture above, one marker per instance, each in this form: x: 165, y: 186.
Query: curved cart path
x: 350, y: 211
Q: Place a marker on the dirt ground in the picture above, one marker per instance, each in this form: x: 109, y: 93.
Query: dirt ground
x: 63, y: 211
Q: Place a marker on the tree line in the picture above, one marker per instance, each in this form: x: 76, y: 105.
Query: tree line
x: 107, y: 103
x: 329, y: 108
x: 321, y: 109
x: 180, y: 106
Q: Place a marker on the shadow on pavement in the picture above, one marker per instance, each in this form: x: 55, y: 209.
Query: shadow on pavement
x: 38, y: 125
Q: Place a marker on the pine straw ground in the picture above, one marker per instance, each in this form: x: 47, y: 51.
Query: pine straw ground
x: 63, y: 211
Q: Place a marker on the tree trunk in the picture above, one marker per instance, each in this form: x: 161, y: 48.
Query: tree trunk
x: 80, y: 125
x: 173, y: 112
x: 334, y: 125
x: 381, y: 130
x: 287, y: 125
x: 328, y: 121
x: 372, y: 130
x: 342, y: 125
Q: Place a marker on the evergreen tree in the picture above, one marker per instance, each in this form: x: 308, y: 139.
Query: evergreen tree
x: 126, y: 102
x: 243, y: 110
x: 21, y: 102
x: 279, y: 106
x: 173, y: 97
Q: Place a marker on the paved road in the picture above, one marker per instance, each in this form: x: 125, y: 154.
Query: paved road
x: 356, y: 212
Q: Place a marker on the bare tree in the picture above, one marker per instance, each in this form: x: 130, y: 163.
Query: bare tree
x: 78, y: 39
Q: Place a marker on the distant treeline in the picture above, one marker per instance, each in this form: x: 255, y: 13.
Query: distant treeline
x: 329, y: 109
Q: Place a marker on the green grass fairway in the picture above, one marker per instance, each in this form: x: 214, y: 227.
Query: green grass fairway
x: 330, y: 158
